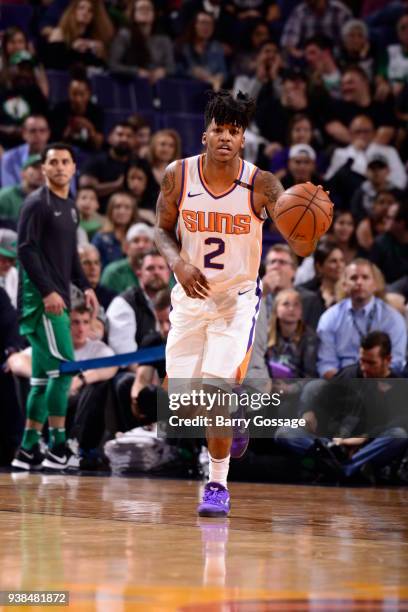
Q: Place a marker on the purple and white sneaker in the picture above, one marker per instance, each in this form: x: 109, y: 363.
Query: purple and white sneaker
x: 216, y: 501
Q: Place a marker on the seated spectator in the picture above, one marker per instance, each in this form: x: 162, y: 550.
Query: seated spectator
x: 267, y: 65
x: 356, y: 49
x: 377, y: 221
x: 12, y: 198
x: 342, y: 326
x: 87, y: 204
x: 291, y: 349
x: 130, y: 315
x: 142, y: 185
x: 348, y: 165
x: 35, y: 134
x: 329, y: 267
x: 91, y: 265
x: 225, y: 22
x: 79, y: 121
x: 120, y: 215
x: 106, y: 171
x: 200, y: 56
x: 280, y: 269
x: 89, y: 391
x: 82, y: 36
x: 245, y: 60
x: 20, y: 97
x: 165, y: 147
x: 14, y: 40
x: 137, y: 392
x: 377, y: 173
x: 310, y: 18
x: 348, y: 433
x: 324, y: 72
x: 301, y: 166
x: 356, y: 99
x: 138, y: 50
x: 123, y: 274
x: 273, y: 115
x: 142, y: 135
x: 394, y: 63
x: 8, y: 270
x: 300, y: 131
x: 342, y: 233
x: 390, y: 250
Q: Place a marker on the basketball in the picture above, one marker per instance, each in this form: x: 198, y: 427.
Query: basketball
x: 304, y: 212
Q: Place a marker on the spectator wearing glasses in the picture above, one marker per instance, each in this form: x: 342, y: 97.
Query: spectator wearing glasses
x: 280, y: 269
x: 342, y: 326
x: 36, y: 133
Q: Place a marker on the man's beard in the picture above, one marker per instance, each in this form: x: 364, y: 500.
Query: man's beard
x: 121, y: 150
x: 155, y: 285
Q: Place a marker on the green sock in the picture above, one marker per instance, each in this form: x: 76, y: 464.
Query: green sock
x: 57, y: 436
x: 30, y: 438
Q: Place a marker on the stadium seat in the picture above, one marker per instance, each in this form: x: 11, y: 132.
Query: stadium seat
x: 142, y: 95
x: 15, y: 15
x: 58, y: 81
x: 122, y: 94
x: 114, y: 116
x: 190, y: 127
x: 182, y: 96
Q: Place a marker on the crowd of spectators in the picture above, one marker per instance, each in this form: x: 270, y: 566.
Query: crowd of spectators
x: 331, y: 82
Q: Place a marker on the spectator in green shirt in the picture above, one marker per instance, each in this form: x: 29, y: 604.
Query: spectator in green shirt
x: 88, y: 205
x: 12, y: 198
x: 122, y: 274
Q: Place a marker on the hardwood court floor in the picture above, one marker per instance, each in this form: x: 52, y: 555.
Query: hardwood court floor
x: 120, y: 544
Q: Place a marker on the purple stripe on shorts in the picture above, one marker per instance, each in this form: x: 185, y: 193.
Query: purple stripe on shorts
x: 258, y: 292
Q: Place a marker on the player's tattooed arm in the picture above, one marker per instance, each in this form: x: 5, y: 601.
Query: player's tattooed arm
x: 267, y: 191
x: 190, y: 277
x: 167, y: 215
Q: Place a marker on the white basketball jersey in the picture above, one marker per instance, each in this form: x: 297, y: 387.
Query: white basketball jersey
x: 219, y: 234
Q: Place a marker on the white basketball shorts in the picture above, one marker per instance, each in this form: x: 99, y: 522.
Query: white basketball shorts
x: 212, y: 338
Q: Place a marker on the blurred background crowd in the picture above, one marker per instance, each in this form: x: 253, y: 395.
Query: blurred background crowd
x: 124, y: 82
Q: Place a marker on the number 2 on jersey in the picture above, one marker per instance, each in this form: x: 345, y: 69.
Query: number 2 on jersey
x: 208, y: 263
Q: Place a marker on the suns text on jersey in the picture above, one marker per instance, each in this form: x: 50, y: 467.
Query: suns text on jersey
x: 216, y: 222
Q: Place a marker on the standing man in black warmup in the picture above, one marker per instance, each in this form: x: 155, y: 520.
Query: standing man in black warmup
x: 49, y: 261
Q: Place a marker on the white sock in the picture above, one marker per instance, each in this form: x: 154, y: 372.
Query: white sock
x: 218, y: 470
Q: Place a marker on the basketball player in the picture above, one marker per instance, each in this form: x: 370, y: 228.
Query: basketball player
x: 219, y: 203
x: 48, y: 258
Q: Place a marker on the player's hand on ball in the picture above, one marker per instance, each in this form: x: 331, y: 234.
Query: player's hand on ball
x: 53, y: 303
x: 192, y: 280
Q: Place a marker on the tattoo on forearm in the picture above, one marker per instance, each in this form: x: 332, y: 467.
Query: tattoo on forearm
x: 168, y: 183
x: 273, y: 188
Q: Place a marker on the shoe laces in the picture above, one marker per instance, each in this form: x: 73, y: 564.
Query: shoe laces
x: 212, y: 494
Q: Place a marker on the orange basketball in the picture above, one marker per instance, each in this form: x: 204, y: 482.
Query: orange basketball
x: 303, y: 212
